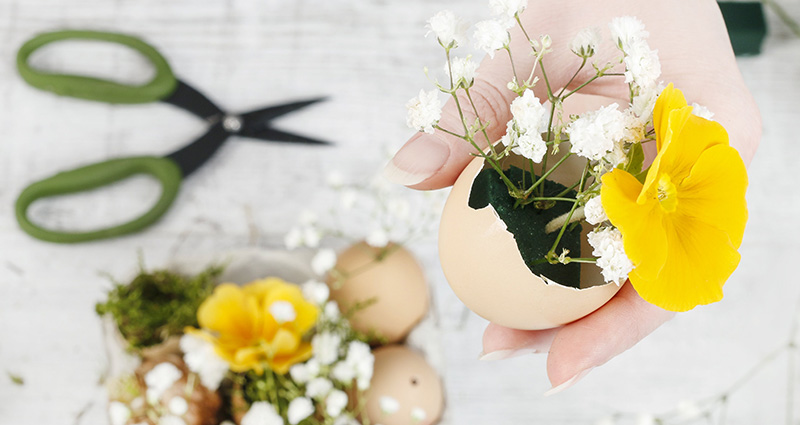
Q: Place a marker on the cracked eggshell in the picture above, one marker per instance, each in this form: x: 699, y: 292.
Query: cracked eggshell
x: 486, y: 271
x: 404, y: 389
x: 395, y: 284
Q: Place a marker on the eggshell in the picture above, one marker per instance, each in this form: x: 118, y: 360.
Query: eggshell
x: 486, y: 271
x: 395, y: 282
x: 405, y: 378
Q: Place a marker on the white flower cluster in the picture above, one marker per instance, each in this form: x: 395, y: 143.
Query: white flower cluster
x: 448, y: 28
x: 491, y: 35
x: 305, y: 234
x: 585, y: 42
x: 158, y: 381
x: 612, y: 260
x: 524, y: 131
x: 602, y: 134
x: 424, y: 111
x: 202, y: 359
x: 594, y: 212
x: 461, y: 71
x: 642, y: 67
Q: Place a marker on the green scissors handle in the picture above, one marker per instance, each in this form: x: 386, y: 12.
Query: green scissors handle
x: 96, y: 175
x: 91, y: 88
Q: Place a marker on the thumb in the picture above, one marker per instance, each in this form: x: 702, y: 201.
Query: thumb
x: 433, y: 161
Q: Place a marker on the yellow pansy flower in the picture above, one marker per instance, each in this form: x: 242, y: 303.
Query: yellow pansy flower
x: 682, y: 227
x: 261, y: 324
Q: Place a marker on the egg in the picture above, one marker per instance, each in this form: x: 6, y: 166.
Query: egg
x: 405, y: 389
x: 394, y: 284
x: 486, y: 271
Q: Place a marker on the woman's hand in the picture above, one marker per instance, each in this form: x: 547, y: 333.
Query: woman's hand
x: 696, y: 56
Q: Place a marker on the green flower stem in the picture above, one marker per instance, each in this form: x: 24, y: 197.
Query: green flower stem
x: 480, y: 122
x: 590, y: 260
x: 552, y: 198
x: 583, y: 63
x: 513, y: 67
x: 565, y: 191
x: 539, y: 60
x: 460, y: 136
x: 571, y: 211
x: 545, y: 175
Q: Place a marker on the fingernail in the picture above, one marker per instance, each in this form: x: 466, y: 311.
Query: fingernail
x: 505, y: 354
x: 417, y: 161
x: 568, y: 383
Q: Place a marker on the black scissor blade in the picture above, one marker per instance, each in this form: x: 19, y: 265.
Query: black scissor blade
x: 190, y: 157
x: 186, y: 97
x: 272, y: 135
x: 261, y: 117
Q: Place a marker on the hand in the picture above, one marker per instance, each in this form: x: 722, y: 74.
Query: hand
x: 695, y: 55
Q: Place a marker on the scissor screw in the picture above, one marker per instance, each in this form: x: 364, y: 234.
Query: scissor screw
x: 232, y: 123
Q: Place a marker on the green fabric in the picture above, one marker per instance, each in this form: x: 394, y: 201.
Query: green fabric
x: 91, y: 88
x: 94, y: 176
x: 527, y: 223
x: 747, y: 27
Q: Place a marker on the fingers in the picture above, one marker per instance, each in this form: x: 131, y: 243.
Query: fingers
x: 501, y: 343
x: 595, y: 339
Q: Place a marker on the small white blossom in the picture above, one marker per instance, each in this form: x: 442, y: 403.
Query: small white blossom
x: 531, y: 146
x: 299, y: 373
x: 348, y: 199
x: 325, y: 346
x: 316, y: 292
x: 447, y: 27
x: 595, y: 214
x: 546, y: 41
x: 358, y: 364
x: 335, y: 403
x: 594, y: 133
x: 202, y: 359
x: 343, y: 373
x: 645, y: 100
x: 377, y: 238
x: 331, y: 310
x: 323, y: 261
x: 178, y: 406
x: 491, y: 35
x: 318, y: 388
x: 302, y: 236
x: 702, y: 112
x: 418, y: 414
x: 612, y: 260
x: 642, y: 65
x: 585, y: 42
x: 299, y: 409
x: 171, y: 420
x: 160, y: 378
x: 282, y: 311
x: 507, y: 8
x: 262, y: 413
x: 529, y: 113
x: 388, y: 405
x: 464, y: 71
x: 118, y: 413
x: 346, y: 420
x: 424, y: 111
x: 627, y: 31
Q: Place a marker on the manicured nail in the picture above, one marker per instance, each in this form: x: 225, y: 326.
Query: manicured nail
x: 568, y: 383
x: 506, y: 354
x: 421, y: 158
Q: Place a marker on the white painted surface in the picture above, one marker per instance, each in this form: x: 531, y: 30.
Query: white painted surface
x: 367, y: 55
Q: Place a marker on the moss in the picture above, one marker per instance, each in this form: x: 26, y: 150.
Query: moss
x: 156, y: 305
x: 527, y: 223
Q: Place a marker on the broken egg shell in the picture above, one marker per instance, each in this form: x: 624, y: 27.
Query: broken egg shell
x: 403, y: 377
x: 486, y: 271
x: 395, y: 284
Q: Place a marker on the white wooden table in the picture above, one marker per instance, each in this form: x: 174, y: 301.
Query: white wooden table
x: 368, y: 56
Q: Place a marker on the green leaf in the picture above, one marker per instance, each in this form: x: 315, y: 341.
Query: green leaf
x: 635, y: 159
x: 642, y: 176
x: 16, y: 379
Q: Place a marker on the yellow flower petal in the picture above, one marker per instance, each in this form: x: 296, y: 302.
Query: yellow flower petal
x: 669, y: 99
x: 229, y: 311
x: 281, y: 365
x: 714, y: 192
x: 700, y: 258
x: 641, y: 225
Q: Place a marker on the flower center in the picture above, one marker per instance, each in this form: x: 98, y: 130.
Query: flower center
x: 667, y: 193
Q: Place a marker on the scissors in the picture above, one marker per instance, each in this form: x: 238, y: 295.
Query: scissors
x: 169, y: 170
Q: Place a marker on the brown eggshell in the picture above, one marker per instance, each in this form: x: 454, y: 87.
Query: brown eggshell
x: 486, y: 271
x: 402, y: 374
x: 396, y: 283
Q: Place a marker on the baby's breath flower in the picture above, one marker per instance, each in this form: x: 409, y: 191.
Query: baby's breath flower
x: 418, y: 414
x: 529, y: 114
x: 595, y: 214
x: 642, y: 65
x: 118, y: 413
x: 448, y: 28
x: 335, y: 403
x: 627, y: 31
x: 160, y: 378
x: 323, y: 261
x: 172, y: 420
x: 299, y: 409
x: 282, y: 311
x: 612, y: 260
x: 593, y: 134
x: 702, y: 112
x: 345, y: 420
x: 177, y: 406
x: 388, y: 405
x: 508, y: 9
x: 262, y: 413
x: 316, y: 292
x: 377, y: 238
x: 585, y: 42
x: 424, y: 111
x: 532, y: 146
x: 491, y: 35
x: 202, y: 359
x: 331, y: 310
x: 326, y: 347
x: 300, y: 373
x: 546, y: 41
x: 318, y: 388
x: 645, y: 100
x: 464, y: 71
